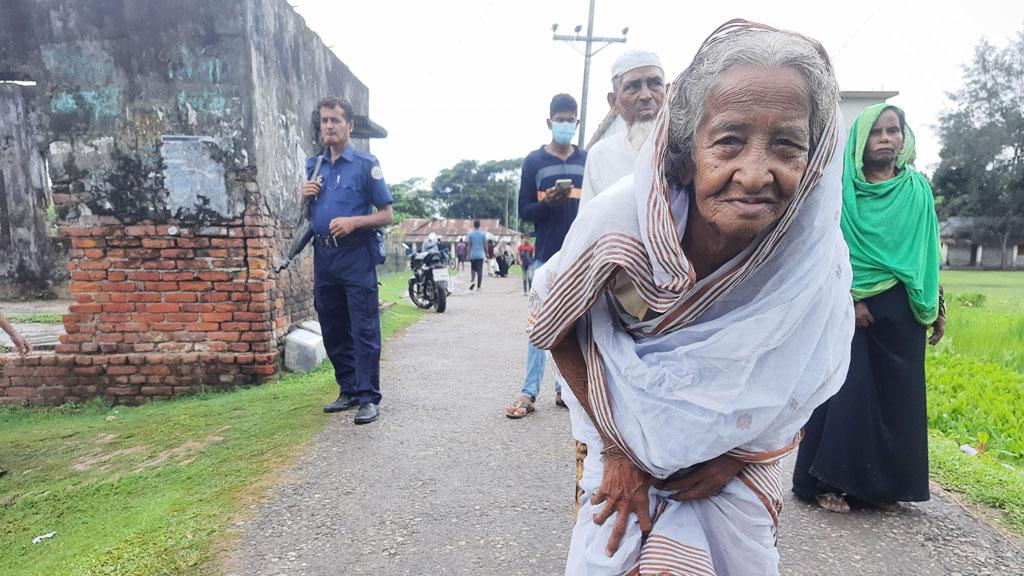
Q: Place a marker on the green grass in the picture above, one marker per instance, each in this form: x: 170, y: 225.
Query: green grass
x: 993, y: 331
x: 976, y: 390
x: 36, y: 318
x: 152, y: 489
x: 983, y: 479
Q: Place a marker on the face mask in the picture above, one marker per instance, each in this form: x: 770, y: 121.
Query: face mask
x: 563, y: 131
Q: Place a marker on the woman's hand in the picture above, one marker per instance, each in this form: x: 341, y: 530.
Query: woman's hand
x: 863, y: 315
x: 706, y: 481
x: 624, y: 489
x: 938, y: 330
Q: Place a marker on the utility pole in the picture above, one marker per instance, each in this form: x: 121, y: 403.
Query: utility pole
x: 589, y: 40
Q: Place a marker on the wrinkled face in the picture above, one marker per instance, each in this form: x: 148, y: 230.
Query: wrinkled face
x: 885, y: 139
x: 334, y: 127
x: 641, y: 92
x: 751, y: 149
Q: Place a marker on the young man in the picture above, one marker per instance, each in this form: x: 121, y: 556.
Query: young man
x: 477, y: 251
x: 348, y: 199
x: 552, y: 208
x: 460, y: 253
x: 638, y: 91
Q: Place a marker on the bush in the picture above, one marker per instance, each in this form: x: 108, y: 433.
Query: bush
x: 971, y: 299
x: 970, y: 399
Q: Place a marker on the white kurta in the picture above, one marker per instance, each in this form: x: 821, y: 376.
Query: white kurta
x: 607, y: 162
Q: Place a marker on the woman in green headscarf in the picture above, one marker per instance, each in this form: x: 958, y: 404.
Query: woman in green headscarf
x: 869, y: 443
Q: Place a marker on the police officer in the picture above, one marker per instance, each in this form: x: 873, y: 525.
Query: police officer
x: 347, y: 188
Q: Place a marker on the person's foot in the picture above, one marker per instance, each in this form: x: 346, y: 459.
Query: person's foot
x: 833, y: 502
x: 368, y: 412
x: 559, y: 401
x: 341, y: 404
x: 472, y: 285
x: 520, y: 408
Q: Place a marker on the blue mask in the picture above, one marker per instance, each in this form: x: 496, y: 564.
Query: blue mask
x: 563, y: 131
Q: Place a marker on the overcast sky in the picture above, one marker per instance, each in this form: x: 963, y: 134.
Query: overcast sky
x: 472, y: 79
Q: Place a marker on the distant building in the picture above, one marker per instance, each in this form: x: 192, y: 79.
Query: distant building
x: 968, y: 242
x: 853, y: 102
x: 415, y: 230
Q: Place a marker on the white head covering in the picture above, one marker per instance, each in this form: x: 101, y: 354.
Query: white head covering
x: 634, y: 59
x: 733, y: 363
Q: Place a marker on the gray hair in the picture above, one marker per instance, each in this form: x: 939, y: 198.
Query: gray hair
x: 758, y: 48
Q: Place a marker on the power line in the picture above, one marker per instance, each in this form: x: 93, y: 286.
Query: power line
x: 589, y: 40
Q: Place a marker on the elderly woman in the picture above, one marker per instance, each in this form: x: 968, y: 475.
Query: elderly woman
x: 870, y: 442
x: 700, y: 310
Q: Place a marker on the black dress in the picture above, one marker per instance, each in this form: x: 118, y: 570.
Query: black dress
x: 870, y: 440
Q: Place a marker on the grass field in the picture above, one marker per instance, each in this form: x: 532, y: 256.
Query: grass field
x: 976, y: 390
x: 151, y: 490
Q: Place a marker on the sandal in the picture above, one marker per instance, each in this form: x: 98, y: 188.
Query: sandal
x: 559, y: 401
x: 519, y: 408
x: 833, y: 502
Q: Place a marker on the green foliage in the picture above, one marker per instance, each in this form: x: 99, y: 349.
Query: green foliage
x: 983, y: 478
x: 472, y: 189
x: 971, y: 299
x: 411, y: 200
x: 982, y: 157
x: 153, y: 489
x: 974, y: 401
x: 976, y: 391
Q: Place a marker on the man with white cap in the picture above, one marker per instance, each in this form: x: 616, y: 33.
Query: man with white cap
x: 638, y: 84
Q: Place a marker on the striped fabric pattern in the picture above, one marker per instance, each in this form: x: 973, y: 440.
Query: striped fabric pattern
x: 663, y: 555
x: 577, y: 289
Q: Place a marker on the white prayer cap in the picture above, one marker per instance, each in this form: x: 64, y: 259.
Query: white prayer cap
x: 634, y: 59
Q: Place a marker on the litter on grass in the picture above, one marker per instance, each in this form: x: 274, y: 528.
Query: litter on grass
x: 39, y: 539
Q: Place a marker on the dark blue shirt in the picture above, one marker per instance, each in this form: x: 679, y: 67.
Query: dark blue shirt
x: 353, y: 185
x: 552, y: 221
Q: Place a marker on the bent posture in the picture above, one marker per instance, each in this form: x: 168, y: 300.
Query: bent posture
x: 702, y: 310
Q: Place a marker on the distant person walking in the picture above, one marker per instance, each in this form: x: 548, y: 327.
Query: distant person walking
x: 869, y: 442
x: 477, y: 252
x: 461, y: 252
x: 549, y: 196
x: 526, y: 263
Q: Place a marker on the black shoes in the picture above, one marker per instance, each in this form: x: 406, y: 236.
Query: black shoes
x: 367, y: 413
x: 341, y: 404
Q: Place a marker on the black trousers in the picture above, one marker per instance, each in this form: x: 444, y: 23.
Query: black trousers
x: 476, y: 271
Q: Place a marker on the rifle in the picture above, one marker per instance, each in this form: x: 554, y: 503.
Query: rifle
x: 305, y: 230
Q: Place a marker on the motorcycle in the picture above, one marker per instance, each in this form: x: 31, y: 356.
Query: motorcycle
x: 430, y: 284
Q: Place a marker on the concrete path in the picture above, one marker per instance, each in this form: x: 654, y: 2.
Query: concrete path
x: 40, y: 336
x: 444, y: 484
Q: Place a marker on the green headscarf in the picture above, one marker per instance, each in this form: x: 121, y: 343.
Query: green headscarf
x: 890, y: 226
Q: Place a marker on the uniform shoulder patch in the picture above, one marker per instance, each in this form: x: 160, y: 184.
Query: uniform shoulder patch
x: 376, y: 173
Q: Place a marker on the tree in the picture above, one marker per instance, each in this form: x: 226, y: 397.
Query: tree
x: 472, y: 189
x: 412, y: 200
x: 981, y: 172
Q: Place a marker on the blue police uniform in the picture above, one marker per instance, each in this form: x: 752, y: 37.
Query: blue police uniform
x: 345, y: 275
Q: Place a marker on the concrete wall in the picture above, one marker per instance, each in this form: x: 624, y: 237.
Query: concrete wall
x: 176, y: 134
x: 33, y: 258
x: 291, y: 70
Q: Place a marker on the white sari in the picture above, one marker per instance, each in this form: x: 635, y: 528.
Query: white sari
x: 681, y: 372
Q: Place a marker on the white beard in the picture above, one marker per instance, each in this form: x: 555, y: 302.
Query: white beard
x: 637, y: 132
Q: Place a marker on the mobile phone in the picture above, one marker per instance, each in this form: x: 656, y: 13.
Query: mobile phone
x: 563, y: 185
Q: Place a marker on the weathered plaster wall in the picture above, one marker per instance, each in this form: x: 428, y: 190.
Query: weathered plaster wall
x: 291, y: 71
x: 176, y: 136
x: 33, y: 259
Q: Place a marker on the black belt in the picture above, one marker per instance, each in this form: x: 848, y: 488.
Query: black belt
x: 336, y: 242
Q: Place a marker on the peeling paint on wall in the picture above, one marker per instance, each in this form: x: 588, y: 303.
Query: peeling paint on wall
x: 103, y: 103
x: 192, y: 176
